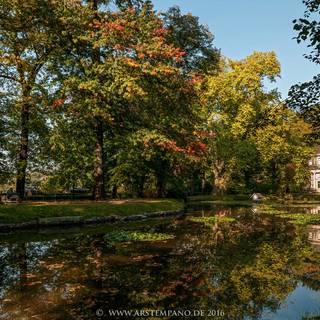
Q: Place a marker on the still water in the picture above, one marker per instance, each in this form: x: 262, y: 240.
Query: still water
x: 239, y: 265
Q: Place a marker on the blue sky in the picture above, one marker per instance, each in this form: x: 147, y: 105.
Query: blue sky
x: 243, y: 26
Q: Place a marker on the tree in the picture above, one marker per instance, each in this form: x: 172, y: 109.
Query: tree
x: 236, y: 104
x: 71, y: 146
x: 150, y: 159
x: 125, y: 87
x: 308, y: 29
x: 283, y: 151
x: 305, y: 97
x: 4, y: 164
x: 194, y: 39
x: 29, y: 38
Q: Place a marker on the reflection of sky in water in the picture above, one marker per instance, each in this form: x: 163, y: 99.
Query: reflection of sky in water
x: 301, y: 302
x: 10, y: 274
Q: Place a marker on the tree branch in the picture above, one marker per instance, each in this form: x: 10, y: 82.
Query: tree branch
x: 5, y: 76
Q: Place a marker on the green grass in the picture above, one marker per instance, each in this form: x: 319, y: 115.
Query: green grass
x: 15, y: 213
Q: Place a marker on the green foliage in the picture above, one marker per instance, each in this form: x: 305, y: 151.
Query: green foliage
x: 31, y: 36
x: 308, y: 28
x: 295, y: 218
x: 236, y: 107
x: 302, y: 218
x: 194, y: 39
x: 71, y: 147
x: 305, y: 97
x: 211, y: 221
x: 257, y: 141
x: 125, y: 236
x: 283, y: 149
x: 115, y: 97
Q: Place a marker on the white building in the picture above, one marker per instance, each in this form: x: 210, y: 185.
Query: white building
x: 314, y: 165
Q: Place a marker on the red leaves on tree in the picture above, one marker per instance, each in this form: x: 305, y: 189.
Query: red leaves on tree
x: 131, y: 10
x: 160, y: 32
x: 58, y: 103
x: 114, y: 26
x: 125, y: 33
x: 118, y: 47
x: 197, y: 79
x: 171, y: 145
x: 195, y: 149
x: 179, y: 54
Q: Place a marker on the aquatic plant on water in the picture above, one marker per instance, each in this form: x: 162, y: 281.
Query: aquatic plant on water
x: 124, y: 236
x: 209, y: 221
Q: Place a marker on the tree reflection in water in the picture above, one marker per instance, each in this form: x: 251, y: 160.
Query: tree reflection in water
x: 243, y: 268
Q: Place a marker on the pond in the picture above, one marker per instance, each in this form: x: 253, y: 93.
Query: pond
x: 218, y: 263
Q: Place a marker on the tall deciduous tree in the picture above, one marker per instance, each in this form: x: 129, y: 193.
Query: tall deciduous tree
x: 4, y: 164
x: 236, y: 106
x: 283, y: 152
x: 29, y: 37
x: 305, y: 97
x: 121, y: 82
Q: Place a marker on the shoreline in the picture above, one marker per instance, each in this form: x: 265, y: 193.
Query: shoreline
x: 82, y: 221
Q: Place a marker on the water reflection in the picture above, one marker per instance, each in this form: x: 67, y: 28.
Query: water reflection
x: 315, y: 210
x: 313, y: 232
x: 249, y: 268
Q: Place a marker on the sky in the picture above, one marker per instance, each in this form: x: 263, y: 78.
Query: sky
x: 243, y: 26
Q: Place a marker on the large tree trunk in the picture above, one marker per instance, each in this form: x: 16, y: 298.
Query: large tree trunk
x: 203, y: 182
x: 160, y: 186
x: 140, y: 187
x: 99, y: 163
x: 114, y: 192
x: 23, y: 152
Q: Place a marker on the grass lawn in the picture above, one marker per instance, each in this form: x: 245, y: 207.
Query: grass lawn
x: 15, y: 213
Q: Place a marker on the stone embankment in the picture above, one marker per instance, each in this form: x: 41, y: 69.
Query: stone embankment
x: 78, y: 220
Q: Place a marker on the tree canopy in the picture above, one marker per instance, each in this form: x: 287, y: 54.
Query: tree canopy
x: 117, y: 98
x: 305, y: 97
